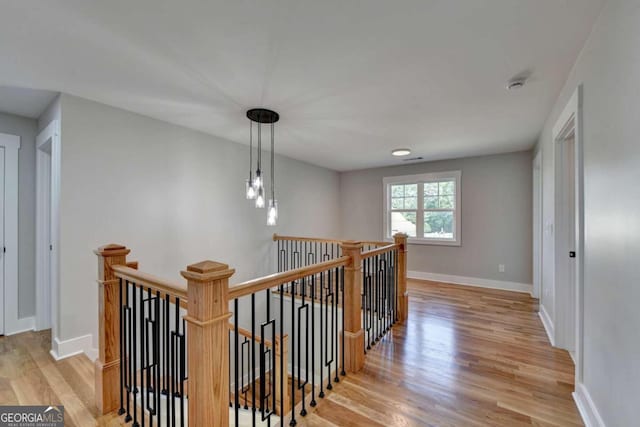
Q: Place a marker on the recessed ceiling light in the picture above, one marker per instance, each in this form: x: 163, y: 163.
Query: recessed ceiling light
x: 399, y: 152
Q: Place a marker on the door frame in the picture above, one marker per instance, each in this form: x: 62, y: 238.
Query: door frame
x: 47, y: 227
x: 537, y: 224
x: 12, y: 322
x: 570, y: 121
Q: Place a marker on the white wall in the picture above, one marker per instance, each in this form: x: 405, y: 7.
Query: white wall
x: 609, y: 68
x: 496, y: 216
x: 27, y: 129
x: 172, y: 195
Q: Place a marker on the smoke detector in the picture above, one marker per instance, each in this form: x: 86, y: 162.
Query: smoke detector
x: 516, y: 84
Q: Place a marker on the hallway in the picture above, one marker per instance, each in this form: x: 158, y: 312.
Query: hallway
x: 467, y: 356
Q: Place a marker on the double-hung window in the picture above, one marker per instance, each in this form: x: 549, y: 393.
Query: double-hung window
x: 426, y: 207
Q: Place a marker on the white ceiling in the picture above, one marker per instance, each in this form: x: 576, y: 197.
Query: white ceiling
x: 351, y: 79
x: 24, y: 102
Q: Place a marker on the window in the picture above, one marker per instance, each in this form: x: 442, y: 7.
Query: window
x: 426, y: 207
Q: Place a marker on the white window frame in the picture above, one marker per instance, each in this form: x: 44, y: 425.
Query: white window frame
x: 419, y: 179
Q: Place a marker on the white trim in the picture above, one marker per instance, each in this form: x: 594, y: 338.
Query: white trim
x: 418, y: 179
x: 471, y: 281
x: 547, y: 323
x: 50, y: 133
x: 12, y: 322
x: 537, y: 224
x: 71, y: 347
x: 570, y: 121
x: 44, y: 279
x: 22, y: 324
x: 586, y: 407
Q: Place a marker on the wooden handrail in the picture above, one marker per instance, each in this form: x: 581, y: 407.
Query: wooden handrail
x: 374, y: 243
x: 378, y: 251
x: 277, y: 237
x: 140, y: 278
x: 267, y: 282
x: 246, y: 333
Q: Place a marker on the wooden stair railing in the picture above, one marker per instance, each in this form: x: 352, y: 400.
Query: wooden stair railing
x: 203, y: 304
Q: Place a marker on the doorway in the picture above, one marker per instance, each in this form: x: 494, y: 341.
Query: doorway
x: 47, y: 185
x: 569, y: 243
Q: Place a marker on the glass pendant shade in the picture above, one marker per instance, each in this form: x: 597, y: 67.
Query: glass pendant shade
x: 257, y: 182
x: 272, y: 213
x: 251, y: 192
x: 260, y: 199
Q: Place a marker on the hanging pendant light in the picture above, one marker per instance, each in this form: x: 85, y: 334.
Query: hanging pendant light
x: 255, y: 184
x: 249, y: 189
x: 272, y: 212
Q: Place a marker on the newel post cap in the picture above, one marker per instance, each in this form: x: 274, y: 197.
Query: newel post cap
x: 112, y: 249
x: 206, y: 271
x: 351, y: 245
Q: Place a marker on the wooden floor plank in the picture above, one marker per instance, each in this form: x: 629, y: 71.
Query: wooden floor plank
x: 466, y: 357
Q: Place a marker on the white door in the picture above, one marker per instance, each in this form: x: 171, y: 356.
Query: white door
x: 2, y: 242
x: 570, y: 193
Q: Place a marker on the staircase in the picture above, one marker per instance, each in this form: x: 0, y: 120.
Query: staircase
x: 277, y: 343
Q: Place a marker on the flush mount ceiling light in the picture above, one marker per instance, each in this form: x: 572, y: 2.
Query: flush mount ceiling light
x: 255, y: 185
x: 400, y: 152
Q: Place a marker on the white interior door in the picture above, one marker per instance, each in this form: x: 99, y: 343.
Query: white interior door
x: 2, y: 242
x: 570, y: 194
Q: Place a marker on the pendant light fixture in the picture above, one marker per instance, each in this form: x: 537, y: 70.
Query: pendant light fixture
x: 255, y: 185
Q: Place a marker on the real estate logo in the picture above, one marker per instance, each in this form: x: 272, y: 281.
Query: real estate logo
x: 32, y: 416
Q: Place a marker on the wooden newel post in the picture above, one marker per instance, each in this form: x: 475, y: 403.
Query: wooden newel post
x: 352, y: 306
x: 107, y: 365
x: 208, y: 343
x: 403, y: 304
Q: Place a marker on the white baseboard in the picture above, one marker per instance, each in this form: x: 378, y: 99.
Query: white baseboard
x: 23, y: 324
x: 586, y: 407
x: 548, y: 324
x: 67, y: 348
x: 472, y: 281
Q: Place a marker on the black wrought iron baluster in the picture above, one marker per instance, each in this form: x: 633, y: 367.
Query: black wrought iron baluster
x: 244, y: 389
x: 267, y: 354
x: 157, y: 357
x: 293, y: 355
x: 142, y: 353
x: 329, y: 351
x: 134, y: 371
x: 183, y: 371
x: 253, y: 360
x: 342, y: 372
x: 129, y: 359
x: 122, y: 349
x: 283, y: 363
x: 236, y: 406
x: 336, y: 307
x: 303, y: 307
x: 321, y: 352
x: 313, y: 340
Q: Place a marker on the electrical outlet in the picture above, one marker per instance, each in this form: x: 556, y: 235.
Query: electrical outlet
x: 500, y: 268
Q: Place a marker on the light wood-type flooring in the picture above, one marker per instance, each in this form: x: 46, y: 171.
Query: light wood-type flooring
x: 466, y: 357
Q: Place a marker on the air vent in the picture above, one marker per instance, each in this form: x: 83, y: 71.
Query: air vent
x: 412, y: 159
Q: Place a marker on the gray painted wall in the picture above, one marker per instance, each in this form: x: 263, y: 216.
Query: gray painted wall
x: 496, y: 216
x: 174, y: 196
x: 609, y: 69
x: 27, y: 129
